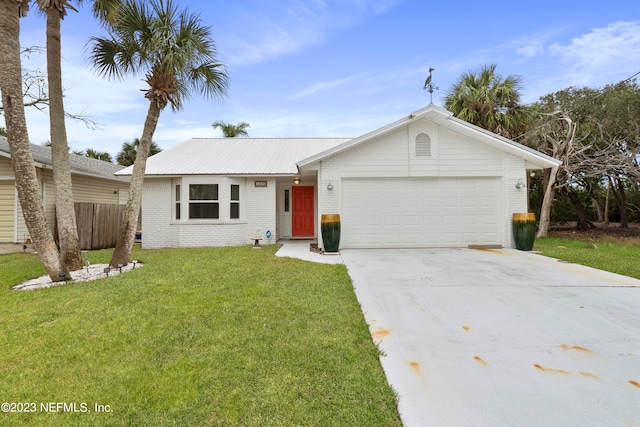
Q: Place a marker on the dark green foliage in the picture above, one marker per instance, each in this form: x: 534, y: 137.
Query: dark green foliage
x: 129, y: 151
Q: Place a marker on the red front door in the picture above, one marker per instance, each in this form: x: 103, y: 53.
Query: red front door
x: 303, y: 217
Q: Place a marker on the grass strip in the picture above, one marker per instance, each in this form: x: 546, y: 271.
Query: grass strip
x: 614, y: 255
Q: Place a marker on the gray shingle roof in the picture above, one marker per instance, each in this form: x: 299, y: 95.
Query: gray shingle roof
x: 80, y: 165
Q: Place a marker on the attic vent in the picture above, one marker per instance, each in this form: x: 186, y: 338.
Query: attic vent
x: 423, y: 145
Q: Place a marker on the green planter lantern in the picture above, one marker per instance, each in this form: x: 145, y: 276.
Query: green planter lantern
x: 330, y: 225
x: 524, y: 230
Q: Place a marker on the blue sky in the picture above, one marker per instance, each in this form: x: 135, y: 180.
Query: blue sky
x: 314, y: 68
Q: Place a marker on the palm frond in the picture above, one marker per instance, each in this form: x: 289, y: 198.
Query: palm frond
x: 171, y: 46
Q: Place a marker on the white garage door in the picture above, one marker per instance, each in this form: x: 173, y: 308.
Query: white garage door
x: 396, y: 213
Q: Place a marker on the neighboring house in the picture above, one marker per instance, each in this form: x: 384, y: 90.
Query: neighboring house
x: 93, y: 181
x: 426, y: 180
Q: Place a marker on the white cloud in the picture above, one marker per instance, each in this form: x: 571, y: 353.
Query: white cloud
x: 614, y: 50
x: 273, y: 41
x: 595, y: 58
x: 326, y: 85
x: 366, y: 83
x: 290, y: 27
x: 531, y: 50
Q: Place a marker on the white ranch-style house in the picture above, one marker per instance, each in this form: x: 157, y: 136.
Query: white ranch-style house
x: 426, y: 180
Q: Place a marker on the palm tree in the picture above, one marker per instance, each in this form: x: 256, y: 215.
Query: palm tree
x: 489, y: 101
x: 100, y: 155
x: 65, y: 213
x: 231, y: 131
x: 24, y: 169
x: 128, y: 153
x: 176, y: 52
x: 56, y: 10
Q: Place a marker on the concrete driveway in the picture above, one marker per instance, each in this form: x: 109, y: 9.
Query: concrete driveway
x: 502, y: 337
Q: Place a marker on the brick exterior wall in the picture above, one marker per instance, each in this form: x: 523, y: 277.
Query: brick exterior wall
x: 196, y: 234
x: 156, y: 213
x: 261, y: 209
x: 161, y: 230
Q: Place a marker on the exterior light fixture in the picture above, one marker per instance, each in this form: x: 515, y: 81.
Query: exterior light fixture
x: 330, y: 186
x: 519, y: 184
x: 296, y: 180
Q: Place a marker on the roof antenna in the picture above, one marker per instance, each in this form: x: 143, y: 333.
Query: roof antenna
x: 429, y: 85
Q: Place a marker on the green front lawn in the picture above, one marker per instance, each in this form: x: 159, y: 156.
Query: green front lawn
x: 617, y: 256
x: 222, y: 337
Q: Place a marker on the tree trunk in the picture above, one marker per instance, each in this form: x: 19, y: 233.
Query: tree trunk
x: 127, y: 232
x: 65, y: 213
x: 547, y: 201
x: 621, y: 196
x: 606, y: 203
x: 29, y: 192
x: 582, y: 222
x: 599, y: 209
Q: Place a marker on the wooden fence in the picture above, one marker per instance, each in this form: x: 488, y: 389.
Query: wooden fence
x: 98, y: 224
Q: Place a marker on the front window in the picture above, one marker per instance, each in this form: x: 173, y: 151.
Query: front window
x: 178, y: 201
x: 286, y: 200
x: 203, y: 201
x: 235, y: 202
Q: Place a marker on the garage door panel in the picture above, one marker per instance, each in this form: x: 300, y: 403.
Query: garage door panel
x: 448, y: 220
x: 433, y: 220
x: 450, y: 239
x: 391, y: 220
x: 470, y: 202
x: 489, y: 220
x: 470, y: 237
x: 448, y: 203
x: 470, y: 220
x: 420, y: 212
x: 489, y: 237
x: 412, y: 203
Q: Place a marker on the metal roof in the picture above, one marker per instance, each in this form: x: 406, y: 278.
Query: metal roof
x: 236, y: 156
x: 283, y: 156
x: 80, y: 165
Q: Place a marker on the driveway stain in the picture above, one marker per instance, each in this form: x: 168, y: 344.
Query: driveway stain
x: 379, y: 334
x: 479, y: 359
x: 588, y: 375
x: 550, y: 370
x: 415, y: 366
x: 575, y: 347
